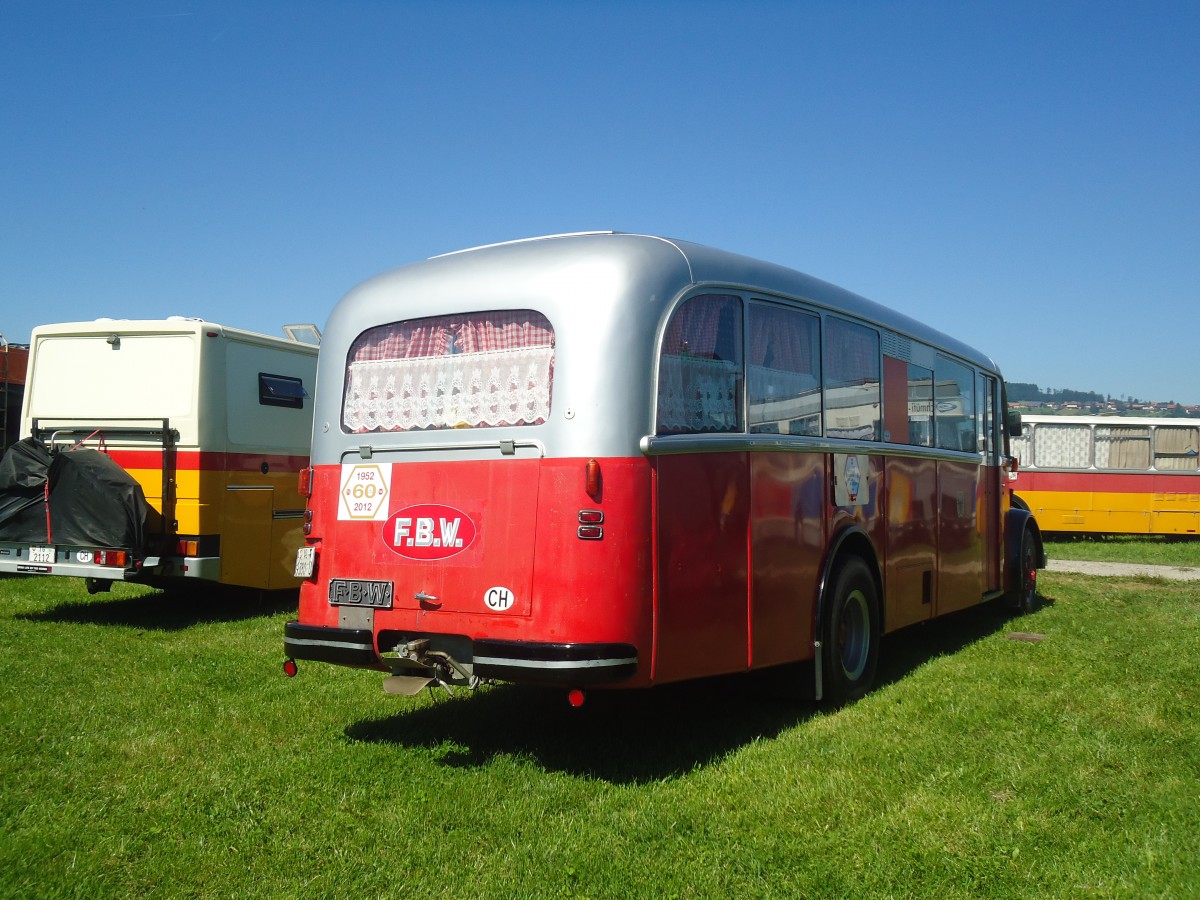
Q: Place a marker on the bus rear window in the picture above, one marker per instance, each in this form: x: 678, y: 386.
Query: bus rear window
x: 474, y: 370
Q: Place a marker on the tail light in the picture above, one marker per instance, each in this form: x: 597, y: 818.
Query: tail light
x: 114, y: 558
x: 304, y: 482
x: 591, y: 525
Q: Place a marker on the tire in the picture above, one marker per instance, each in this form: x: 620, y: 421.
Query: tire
x: 850, y: 632
x: 1023, y: 599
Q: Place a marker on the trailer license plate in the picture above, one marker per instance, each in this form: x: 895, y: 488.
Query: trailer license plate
x: 350, y: 592
x: 305, y: 557
x: 41, y: 554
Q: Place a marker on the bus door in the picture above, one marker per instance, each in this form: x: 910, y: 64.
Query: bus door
x: 991, y: 490
x: 962, y: 500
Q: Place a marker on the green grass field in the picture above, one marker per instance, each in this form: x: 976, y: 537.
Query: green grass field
x: 152, y: 747
x: 1127, y: 548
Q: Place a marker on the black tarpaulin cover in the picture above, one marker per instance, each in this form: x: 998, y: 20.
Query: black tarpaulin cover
x: 93, y: 501
x: 23, y: 473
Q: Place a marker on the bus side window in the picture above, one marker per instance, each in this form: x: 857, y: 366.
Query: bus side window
x: 1176, y: 448
x: 1062, y: 445
x: 852, y: 406
x: 920, y: 406
x: 700, y: 367
x: 783, y: 371
x: 954, y: 402
x: 1123, y: 446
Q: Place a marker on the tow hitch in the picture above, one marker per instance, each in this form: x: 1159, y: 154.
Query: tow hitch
x: 414, y: 666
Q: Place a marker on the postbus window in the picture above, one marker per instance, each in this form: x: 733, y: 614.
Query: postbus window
x: 1021, y: 446
x: 700, y: 367
x: 1122, y: 447
x: 852, y: 407
x: 1062, y: 446
x: 1177, y: 448
x: 783, y: 373
x: 472, y: 370
x: 954, y: 401
x: 920, y: 406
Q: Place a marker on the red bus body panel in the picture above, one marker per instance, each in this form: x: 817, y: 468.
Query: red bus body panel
x: 525, y: 515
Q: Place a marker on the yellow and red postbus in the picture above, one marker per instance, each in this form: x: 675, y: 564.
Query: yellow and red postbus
x: 602, y: 460
x: 208, y: 425
x: 1110, y: 474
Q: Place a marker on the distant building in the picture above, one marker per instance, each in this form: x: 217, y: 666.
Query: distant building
x: 14, y: 361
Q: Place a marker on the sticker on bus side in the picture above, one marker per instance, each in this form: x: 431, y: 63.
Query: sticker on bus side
x: 851, y: 485
x: 364, y: 491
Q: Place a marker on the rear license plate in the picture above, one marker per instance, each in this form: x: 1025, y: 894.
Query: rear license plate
x: 350, y: 592
x: 305, y: 557
x: 41, y: 554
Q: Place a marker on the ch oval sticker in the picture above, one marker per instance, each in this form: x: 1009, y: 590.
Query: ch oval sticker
x: 429, y: 531
x: 499, y: 599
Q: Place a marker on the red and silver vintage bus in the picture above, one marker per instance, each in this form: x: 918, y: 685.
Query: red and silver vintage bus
x: 606, y: 459
x: 1111, y: 475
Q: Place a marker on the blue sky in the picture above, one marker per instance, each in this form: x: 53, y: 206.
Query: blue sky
x: 1024, y: 176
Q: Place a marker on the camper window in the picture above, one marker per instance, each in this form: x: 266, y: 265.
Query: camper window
x: 281, y: 390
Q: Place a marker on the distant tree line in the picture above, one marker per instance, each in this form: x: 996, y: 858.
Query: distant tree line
x: 1019, y: 391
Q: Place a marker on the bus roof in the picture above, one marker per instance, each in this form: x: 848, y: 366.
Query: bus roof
x: 664, y: 261
x: 1112, y: 419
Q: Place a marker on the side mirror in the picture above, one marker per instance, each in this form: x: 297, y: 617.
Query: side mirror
x: 1013, y: 421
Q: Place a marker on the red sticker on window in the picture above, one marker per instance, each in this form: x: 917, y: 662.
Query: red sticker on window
x: 429, y: 531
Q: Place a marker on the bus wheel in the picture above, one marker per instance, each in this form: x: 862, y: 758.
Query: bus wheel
x: 1023, y: 599
x: 850, y: 634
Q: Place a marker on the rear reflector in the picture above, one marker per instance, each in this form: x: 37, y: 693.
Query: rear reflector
x: 304, y: 484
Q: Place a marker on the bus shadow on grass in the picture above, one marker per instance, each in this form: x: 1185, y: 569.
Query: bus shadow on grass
x: 644, y: 735
x: 617, y: 736
x: 171, y: 609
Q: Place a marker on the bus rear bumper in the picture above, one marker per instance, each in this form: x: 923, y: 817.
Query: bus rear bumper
x: 340, y: 646
x: 575, y: 665
x: 531, y: 662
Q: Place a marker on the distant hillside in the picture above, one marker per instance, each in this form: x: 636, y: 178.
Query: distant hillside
x: 1031, y: 396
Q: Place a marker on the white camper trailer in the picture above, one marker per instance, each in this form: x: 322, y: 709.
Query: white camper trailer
x: 156, y: 450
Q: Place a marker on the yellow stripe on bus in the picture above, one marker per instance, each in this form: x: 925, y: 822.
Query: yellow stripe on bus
x: 1128, y: 513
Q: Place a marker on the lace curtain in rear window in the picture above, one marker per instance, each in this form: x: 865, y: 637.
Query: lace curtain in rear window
x: 474, y: 370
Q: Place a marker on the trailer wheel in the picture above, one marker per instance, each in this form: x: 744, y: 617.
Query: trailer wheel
x: 1023, y: 599
x: 849, y: 634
